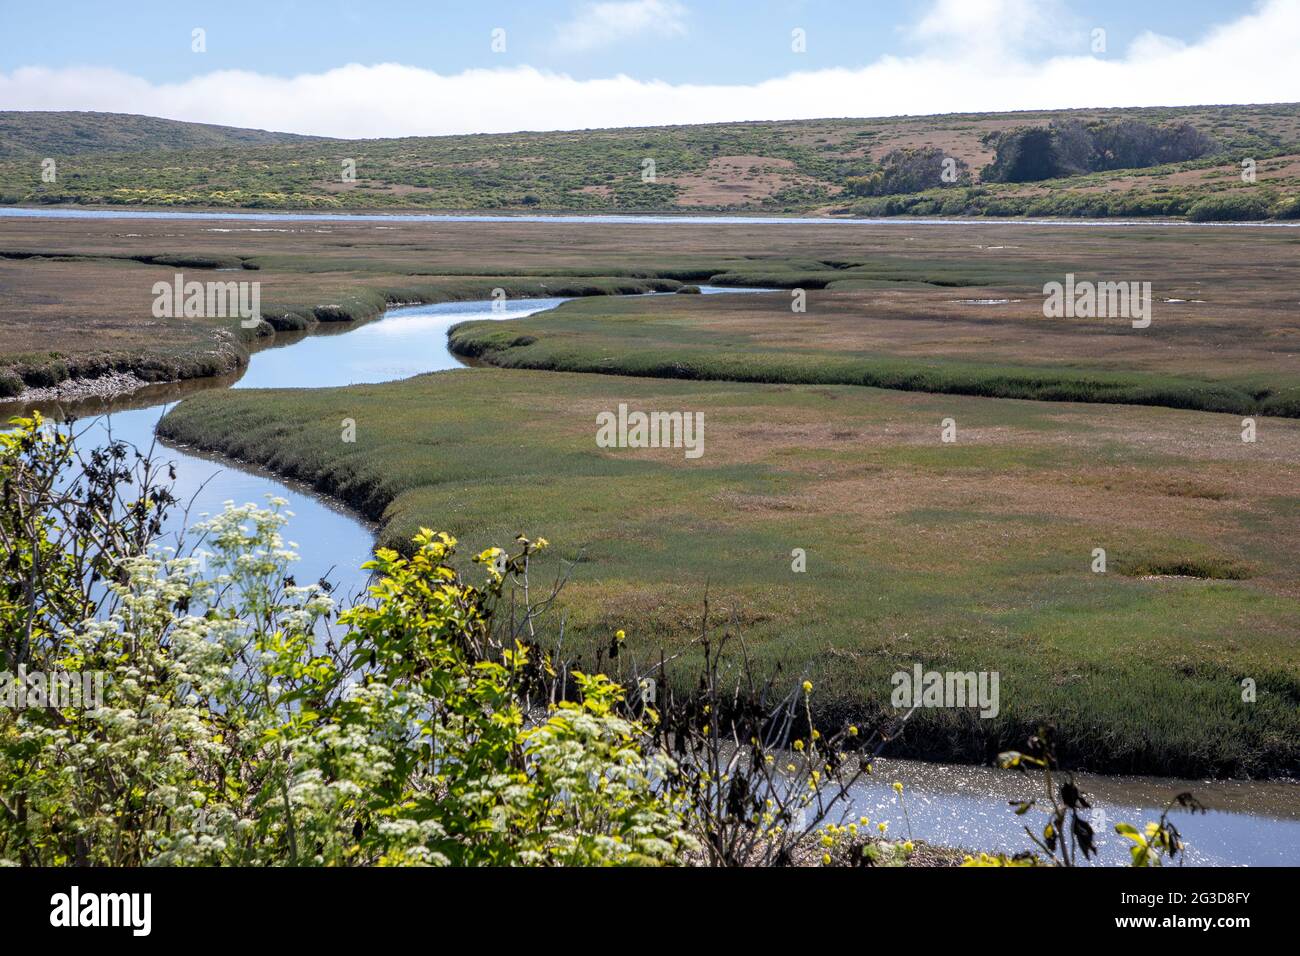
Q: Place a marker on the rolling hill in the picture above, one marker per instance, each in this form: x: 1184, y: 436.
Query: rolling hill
x: 56, y: 133
x: 823, y: 167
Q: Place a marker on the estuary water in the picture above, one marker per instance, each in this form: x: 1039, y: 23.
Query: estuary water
x: 615, y: 219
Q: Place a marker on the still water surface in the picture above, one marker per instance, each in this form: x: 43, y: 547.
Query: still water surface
x: 615, y: 219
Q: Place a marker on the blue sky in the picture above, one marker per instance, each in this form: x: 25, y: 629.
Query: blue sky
x: 399, y: 68
x: 723, y: 41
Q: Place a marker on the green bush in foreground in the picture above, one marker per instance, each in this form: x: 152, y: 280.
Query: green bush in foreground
x: 227, y: 735
x: 227, y: 726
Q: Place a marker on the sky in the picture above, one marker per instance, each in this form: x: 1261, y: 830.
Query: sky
x: 363, y: 69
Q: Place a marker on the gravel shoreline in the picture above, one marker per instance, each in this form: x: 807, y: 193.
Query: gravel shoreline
x: 108, y: 385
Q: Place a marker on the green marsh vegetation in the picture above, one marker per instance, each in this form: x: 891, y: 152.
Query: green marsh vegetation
x: 965, y: 320
x: 242, y: 719
x: 662, y: 341
x: 920, y: 310
x: 974, y: 556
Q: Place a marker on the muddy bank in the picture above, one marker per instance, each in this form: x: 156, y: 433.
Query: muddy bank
x: 109, y: 375
x: 61, y: 377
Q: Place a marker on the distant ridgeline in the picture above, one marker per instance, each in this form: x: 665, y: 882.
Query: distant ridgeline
x: 1201, y: 162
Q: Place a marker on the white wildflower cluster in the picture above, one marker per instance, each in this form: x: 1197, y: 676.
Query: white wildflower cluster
x: 173, y: 754
x: 235, y: 730
x: 588, y: 761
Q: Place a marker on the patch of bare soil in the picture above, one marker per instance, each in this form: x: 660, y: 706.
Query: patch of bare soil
x: 393, y: 189
x: 737, y: 179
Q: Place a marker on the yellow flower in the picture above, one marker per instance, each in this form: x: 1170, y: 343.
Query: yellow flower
x: 907, y: 847
x: 898, y: 787
x: 882, y: 826
x: 619, y: 636
x: 826, y: 859
x: 853, y: 731
x: 798, y: 745
x: 807, y: 687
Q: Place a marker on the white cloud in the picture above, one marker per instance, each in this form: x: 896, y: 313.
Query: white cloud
x: 1250, y: 60
x: 1149, y: 46
x: 998, y: 25
x: 600, y: 24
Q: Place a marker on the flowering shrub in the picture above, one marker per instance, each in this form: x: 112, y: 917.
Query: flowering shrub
x: 235, y: 729
x: 476, y: 775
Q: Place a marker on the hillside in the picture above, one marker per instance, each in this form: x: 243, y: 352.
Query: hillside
x: 840, y: 166
x: 58, y: 134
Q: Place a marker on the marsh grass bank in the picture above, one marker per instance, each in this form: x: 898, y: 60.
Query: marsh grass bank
x: 967, y: 557
x: 884, y: 303
x: 1219, y: 359
x: 973, y: 555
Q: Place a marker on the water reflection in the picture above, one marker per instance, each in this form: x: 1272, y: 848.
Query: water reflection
x: 1249, y: 823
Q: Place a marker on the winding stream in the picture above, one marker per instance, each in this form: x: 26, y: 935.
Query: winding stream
x: 1250, y: 823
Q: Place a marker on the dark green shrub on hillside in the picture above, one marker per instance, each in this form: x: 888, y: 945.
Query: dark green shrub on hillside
x: 1022, y: 156
x: 1056, y: 204
x: 1288, y: 208
x: 911, y: 171
x: 1074, y: 151
x: 1072, y: 148
x: 1129, y: 144
x: 1238, y: 205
